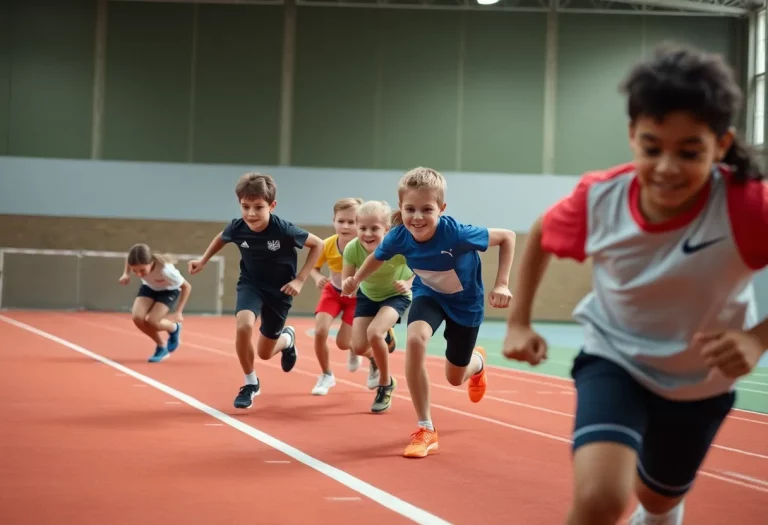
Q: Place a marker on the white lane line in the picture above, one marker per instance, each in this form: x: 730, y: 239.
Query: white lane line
x: 379, y: 496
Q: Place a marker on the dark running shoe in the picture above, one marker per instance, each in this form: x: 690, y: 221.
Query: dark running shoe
x: 245, y: 397
x: 288, y: 359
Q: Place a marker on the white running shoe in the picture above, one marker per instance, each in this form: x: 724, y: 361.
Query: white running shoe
x: 373, y: 375
x: 353, y: 361
x: 324, y: 383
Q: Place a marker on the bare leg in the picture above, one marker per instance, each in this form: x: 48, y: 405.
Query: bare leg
x: 322, y: 326
x: 243, y: 342
x: 139, y: 312
x: 376, y: 333
x: 419, y: 333
x: 604, y: 476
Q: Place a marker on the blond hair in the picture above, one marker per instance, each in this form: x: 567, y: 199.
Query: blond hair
x: 142, y: 254
x: 347, y: 203
x: 420, y: 179
x: 379, y: 209
x: 254, y: 185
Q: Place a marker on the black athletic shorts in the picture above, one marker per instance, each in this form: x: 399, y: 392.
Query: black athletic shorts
x: 460, y: 339
x: 166, y: 297
x: 273, y: 312
x: 671, y: 437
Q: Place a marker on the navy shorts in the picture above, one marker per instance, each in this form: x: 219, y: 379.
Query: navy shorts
x: 166, y: 297
x: 460, y: 340
x: 273, y: 312
x: 366, y: 307
x: 671, y: 438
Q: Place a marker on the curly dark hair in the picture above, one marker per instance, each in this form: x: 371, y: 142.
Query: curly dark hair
x: 682, y: 78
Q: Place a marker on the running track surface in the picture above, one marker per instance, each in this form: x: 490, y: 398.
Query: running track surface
x: 92, y: 433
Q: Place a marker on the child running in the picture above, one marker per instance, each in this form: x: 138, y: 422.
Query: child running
x: 331, y: 302
x: 443, y: 253
x: 162, y: 287
x: 655, y: 378
x: 382, y: 299
x: 268, y: 280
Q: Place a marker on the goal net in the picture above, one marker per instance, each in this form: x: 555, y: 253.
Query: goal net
x: 88, y: 280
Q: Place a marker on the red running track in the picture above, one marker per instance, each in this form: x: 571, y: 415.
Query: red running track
x: 95, y: 443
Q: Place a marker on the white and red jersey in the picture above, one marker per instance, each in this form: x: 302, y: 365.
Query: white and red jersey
x: 656, y: 285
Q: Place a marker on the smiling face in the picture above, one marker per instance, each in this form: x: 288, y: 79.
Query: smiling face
x: 344, y: 224
x: 256, y: 212
x: 371, y: 229
x: 420, y: 211
x: 674, y: 159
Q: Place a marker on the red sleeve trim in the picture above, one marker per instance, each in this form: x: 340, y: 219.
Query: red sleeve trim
x: 748, y: 212
x: 564, y: 225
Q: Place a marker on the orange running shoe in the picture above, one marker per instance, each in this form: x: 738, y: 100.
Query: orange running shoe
x: 423, y: 443
x: 478, y: 383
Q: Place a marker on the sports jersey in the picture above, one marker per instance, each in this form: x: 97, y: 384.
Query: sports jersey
x: 267, y: 258
x: 380, y: 284
x: 655, y: 285
x: 333, y: 257
x: 447, y: 266
x: 164, y: 276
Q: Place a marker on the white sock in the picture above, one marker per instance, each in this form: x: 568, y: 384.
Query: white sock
x: 251, y: 379
x: 427, y: 425
x: 287, y: 336
x: 482, y: 362
x: 643, y: 517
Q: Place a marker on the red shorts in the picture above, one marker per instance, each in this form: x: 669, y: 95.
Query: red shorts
x: 332, y: 303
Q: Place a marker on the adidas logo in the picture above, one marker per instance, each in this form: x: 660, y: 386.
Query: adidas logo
x: 244, y: 245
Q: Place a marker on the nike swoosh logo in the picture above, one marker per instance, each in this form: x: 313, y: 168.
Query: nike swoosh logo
x: 689, y: 248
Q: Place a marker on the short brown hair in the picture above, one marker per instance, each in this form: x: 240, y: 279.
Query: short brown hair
x: 346, y: 204
x: 254, y: 185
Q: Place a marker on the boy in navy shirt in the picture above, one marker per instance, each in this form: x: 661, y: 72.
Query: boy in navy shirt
x: 448, y: 286
x: 268, y: 280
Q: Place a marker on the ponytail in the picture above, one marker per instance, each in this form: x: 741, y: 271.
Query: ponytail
x: 741, y: 159
x: 164, y: 258
x: 397, y: 218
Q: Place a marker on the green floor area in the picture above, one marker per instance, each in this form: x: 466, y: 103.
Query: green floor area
x: 564, y: 341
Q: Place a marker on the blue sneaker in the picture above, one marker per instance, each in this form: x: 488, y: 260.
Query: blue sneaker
x: 161, y: 353
x: 174, y: 338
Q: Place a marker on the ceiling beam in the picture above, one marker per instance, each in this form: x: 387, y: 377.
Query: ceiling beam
x: 690, y: 5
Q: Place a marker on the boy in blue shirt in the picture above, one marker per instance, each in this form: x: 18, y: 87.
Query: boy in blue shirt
x: 448, y: 287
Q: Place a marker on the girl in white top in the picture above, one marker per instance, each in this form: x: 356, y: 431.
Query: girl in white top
x: 162, y: 287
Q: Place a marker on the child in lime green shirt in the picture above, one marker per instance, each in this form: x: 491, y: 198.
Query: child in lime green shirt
x: 381, y: 299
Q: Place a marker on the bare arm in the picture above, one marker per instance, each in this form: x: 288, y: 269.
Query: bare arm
x: 215, y: 247
x: 186, y: 289
x: 126, y: 277
x: 761, y: 332
x: 315, y: 245
x: 370, y: 266
x: 505, y: 240
x: 532, y: 268
x: 348, y: 270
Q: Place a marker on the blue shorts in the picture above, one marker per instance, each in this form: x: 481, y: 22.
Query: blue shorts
x: 366, y: 307
x: 671, y: 438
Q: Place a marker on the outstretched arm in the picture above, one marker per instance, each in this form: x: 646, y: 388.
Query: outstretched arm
x: 315, y: 245
x: 215, y: 247
x: 505, y: 240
